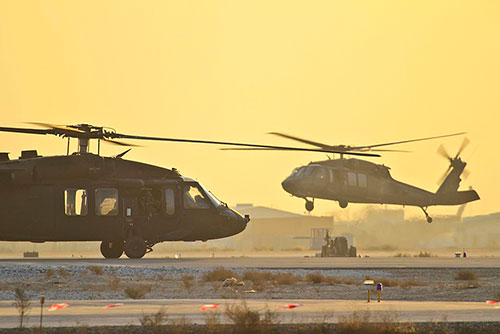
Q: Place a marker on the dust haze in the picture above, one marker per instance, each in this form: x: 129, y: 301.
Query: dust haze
x: 374, y: 230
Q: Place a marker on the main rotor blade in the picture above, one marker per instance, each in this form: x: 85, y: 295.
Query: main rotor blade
x: 246, y: 149
x: 115, y: 142
x: 382, y: 150
x: 61, y: 129
x: 305, y: 141
x: 267, y: 149
x: 30, y: 131
x: 406, y: 141
x: 285, y: 148
x: 58, y: 127
x: 465, y: 143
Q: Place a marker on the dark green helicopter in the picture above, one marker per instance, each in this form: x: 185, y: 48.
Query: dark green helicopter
x: 129, y: 206
x: 360, y: 181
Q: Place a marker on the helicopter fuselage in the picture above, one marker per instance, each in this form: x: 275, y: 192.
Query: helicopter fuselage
x: 86, y: 197
x: 360, y: 181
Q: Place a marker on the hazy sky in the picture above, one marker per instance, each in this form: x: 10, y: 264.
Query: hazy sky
x: 340, y: 72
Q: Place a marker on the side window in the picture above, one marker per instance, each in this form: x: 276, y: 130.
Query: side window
x: 362, y: 180
x: 106, y: 202
x: 75, y: 202
x: 331, y: 175
x: 351, y: 179
x: 170, y: 201
x: 193, y: 198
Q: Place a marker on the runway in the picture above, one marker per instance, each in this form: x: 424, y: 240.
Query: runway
x: 93, y: 313
x: 273, y: 262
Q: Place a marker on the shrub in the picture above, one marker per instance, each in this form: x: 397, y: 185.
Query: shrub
x: 316, y: 278
x: 465, y: 275
x: 22, y: 304
x: 212, y: 321
x: 335, y: 280
x: 286, y: 278
x: 137, y: 292
x: 256, y: 276
x: 260, y: 286
x: 246, y: 320
x: 114, y: 283
x: 218, y: 274
x: 387, y: 282
x: 408, y: 284
x: 469, y: 285
x: 181, y: 325
x: 63, y: 272
x: 362, y: 323
x: 49, y: 273
x: 187, y: 281
x: 424, y: 254
x: 154, y: 321
x: 96, y: 270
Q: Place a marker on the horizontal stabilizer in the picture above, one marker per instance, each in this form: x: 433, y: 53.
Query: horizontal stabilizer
x: 457, y: 198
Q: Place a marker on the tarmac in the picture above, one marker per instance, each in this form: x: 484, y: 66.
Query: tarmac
x: 273, y: 262
x: 92, y: 312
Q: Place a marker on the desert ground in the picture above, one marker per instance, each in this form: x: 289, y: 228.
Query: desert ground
x: 417, y: 289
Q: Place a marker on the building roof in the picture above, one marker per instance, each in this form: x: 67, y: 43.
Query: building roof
x: 262, y: 212
x: 491, y: 218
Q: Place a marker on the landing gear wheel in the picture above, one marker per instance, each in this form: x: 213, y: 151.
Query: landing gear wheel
x: 309, y: 206
x: 427, y: 217
x: 135, y: 247
x: 343, y: 204
x: 112, y: 249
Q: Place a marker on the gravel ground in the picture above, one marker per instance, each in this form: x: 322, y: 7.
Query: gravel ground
x: 85, y: 282
x: 419, y: 328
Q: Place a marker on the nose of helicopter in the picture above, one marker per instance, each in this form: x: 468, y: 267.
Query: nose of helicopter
x: 236, y: 222
x: 287, y: 185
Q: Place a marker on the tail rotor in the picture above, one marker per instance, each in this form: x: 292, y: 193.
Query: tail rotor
x: 455, y: 161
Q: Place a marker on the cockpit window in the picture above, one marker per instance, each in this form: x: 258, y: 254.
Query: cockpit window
x: 320, y: 173
x: 309, y: 171
x: 298, y: 171
x: 194, y: 198
x: 211, y: 197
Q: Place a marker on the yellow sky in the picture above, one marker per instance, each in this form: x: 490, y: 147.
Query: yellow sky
x: 340, y: 72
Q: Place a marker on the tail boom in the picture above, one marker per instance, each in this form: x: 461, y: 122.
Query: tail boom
x: 456, y: 198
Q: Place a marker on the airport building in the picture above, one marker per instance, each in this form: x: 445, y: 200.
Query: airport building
x: 273, y: 229
x: 480, y: 231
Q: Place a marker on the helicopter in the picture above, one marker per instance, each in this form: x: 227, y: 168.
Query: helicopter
x: 128, y: 206
x: 360, y: 181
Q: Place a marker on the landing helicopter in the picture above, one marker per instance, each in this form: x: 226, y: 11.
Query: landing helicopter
x: 360, y: 181
x: 128, y: 206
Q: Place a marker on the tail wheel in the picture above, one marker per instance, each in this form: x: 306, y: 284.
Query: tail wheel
x: 135, y: 247
x: 343, y: 204
x: 112, y: 249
